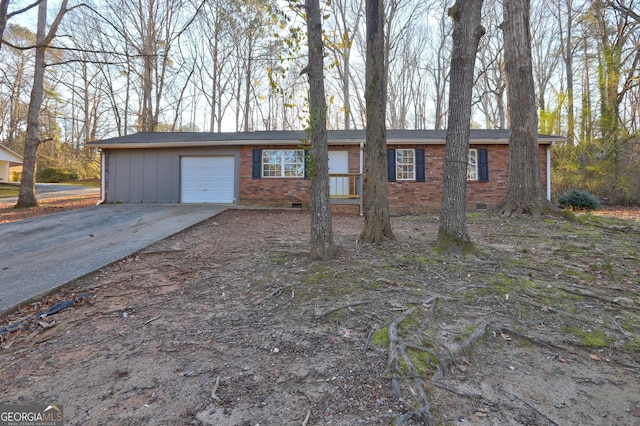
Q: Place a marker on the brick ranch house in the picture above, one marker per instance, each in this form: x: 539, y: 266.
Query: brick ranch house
x: 269, y: 168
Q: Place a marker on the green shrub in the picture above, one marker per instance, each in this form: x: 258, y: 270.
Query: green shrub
x: 55, y: 174
x: 578, y: 199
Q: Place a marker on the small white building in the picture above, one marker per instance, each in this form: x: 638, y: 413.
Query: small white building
x: 8, y: 158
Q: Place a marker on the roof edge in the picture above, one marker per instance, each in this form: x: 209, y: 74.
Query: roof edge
x: 335, y: 137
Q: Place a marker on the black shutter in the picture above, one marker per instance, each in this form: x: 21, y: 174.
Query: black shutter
x: 420, y: 171
x: 391, y: 164
x: 483, y: 165
x: 257, y: 163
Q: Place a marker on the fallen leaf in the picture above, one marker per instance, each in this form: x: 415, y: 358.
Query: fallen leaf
x: 595, y: 357
x: 505, y: 336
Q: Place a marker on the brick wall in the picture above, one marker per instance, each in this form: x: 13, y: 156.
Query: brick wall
x: 419, y: 197
x: 404, y: 196
x: 271, y: 192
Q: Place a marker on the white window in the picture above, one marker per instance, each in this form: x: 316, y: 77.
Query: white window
x: 283, y: 163
x: 472, y: 166
x: 405, y: 164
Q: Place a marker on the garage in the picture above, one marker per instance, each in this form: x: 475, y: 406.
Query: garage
x: 207, y: 179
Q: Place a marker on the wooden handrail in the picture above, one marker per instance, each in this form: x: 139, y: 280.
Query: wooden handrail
x: 344, y: 185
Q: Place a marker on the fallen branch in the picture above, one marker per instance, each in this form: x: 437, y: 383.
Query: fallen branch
x: 153, y: 319
x: 215, y: 389
x: 319, y: 316
x: 160, y: 251
x: 52, y: 310
x: 368, y: 341
x: 306, y: 419
x: 274, y: 293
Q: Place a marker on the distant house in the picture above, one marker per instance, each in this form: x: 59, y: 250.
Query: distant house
x: 270, y: 168
x: 8, y: 159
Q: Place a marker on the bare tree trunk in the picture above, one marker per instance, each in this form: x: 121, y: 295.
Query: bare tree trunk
x: 322, y: 247
x: 247, y: 85
x: 214, y: 85
x: 4, y: 8
x: 377, y: 223
x: 467, y: 31
x: 15, y: 116
x: 568, y: 50
x: 149, y: 58
x: 27, y: 197
x: 524, y: 193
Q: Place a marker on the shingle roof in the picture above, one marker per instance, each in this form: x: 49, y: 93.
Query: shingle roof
x: 335, y: 137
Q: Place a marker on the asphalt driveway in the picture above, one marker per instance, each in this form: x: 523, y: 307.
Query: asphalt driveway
x: 40, y: 254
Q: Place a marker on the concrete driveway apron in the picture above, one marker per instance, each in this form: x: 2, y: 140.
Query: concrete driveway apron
x: 40, y: 254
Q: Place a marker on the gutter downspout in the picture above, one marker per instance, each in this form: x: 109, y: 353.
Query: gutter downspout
x: 549, y: 173
x: 103, y: 183
x: 361, y: 171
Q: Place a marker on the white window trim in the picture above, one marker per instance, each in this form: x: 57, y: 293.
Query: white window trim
x: 398, y: 165
x: 282, y: 164
x: 471, y: 166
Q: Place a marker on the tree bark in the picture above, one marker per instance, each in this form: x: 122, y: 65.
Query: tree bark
x: 4, y: 8
x: 322, y: 247
x: 524, y: 193
x: 467, y: 31
x: 377, y: 222
x: 149, y: 58
x: 27, y: 197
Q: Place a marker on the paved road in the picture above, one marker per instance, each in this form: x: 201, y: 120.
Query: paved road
x: 40, y: 254
x: 54, y: 190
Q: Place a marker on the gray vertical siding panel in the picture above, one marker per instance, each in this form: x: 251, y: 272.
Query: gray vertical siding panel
x: 153, y: 175
x: 121, y: 177
x: 165, y: 174
x: 136, y: 176
x: 150, y: 183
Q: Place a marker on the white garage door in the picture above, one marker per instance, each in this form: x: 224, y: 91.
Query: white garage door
x: 207, y: 179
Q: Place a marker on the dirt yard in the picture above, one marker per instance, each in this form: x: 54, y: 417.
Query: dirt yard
x: 230, y: 323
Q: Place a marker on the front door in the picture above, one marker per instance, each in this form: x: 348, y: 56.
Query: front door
x: 339, y: 164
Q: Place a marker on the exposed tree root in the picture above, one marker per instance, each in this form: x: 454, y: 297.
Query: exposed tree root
x: 511, y: 396
x: 417, y: 388
x: 532, y: 408
x: 397, y: 351
x: 477, y: 334
x: 534, y: 341
x: 447, y: 360
x: 320, y: 315
x: 393, y: 363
